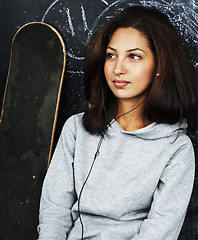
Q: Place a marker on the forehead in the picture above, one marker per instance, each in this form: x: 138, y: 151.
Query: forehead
x: 128, y: 38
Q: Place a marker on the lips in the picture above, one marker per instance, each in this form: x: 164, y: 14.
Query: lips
x: 120, y: 83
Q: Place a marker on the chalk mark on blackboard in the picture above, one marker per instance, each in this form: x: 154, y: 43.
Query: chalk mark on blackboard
x: 74, y: 57
x: 43, y: 18
x: 84, y: 18
x: 193, y: 3
x: 75, y: 72
x: 186, y: 18
x: 105, y: 2
x: 70, y: 22
x: 98, y: 18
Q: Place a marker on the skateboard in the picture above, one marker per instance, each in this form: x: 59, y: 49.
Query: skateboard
x: 27, y: 125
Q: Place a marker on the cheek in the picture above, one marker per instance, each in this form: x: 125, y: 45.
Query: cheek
x: 108, y: 74
x: 109, y: 67
x: 143, y: 77
x: 150, y: 75
x: 147, y: 73
x: 105, y: 69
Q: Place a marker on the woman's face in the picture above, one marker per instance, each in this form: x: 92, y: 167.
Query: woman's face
x: 129, y: 64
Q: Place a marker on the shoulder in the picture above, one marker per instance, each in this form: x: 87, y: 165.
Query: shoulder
x: 74, y: 126
x: 182, y: 151
x: 73, y: 122
x: 177, y: 143
x: 182, y: 141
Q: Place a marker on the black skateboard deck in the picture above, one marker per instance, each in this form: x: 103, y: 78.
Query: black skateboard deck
x: 27, y: 124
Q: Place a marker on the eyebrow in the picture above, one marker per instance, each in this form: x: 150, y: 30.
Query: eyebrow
x: 130, y: 50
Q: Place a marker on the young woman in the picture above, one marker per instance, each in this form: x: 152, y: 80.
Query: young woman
x: 124, y: 169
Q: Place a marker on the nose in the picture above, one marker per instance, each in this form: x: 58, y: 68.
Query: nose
x: 120, y: 67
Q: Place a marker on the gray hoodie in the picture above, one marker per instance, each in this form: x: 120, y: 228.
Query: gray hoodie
x: 139, y: 187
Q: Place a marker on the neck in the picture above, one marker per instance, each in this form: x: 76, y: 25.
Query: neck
x: 133, y: 119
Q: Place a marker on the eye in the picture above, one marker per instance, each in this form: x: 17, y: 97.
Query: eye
x: 110, y: 55
x: 135, y: 56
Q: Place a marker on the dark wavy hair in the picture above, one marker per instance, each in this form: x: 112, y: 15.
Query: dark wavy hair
x: 172, y: 96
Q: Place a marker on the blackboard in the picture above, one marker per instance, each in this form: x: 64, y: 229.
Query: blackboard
x: 77, y: 20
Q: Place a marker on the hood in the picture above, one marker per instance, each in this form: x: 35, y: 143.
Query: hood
x: 153, y: 131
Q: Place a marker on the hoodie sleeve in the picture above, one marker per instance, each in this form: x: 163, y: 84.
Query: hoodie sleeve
x: 58, y: 194
x: 171, y: 198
